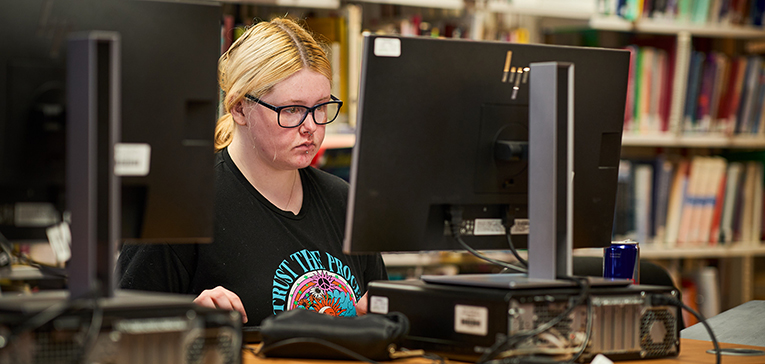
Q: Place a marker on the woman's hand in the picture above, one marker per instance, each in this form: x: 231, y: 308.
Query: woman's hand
x: 361, y: 305
x: 222, y: 298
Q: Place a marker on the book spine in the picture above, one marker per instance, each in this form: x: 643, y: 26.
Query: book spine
x: 679, y: 82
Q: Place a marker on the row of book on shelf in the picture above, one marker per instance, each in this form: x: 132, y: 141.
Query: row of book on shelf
x: 676, y: 89
x: 722, y: 12
x: 691, y: 202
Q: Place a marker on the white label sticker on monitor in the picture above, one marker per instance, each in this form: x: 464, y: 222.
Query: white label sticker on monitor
x: 132, y: 159
x: 471, y: 320
x: 387, y: 47
x: 521, y: 227
x: 378, y: 304
x: 488, y: 227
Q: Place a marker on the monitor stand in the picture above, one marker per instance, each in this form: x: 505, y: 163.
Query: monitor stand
x: 551, y: 188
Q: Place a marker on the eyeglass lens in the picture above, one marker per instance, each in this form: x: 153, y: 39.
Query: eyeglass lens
x: 294, y: 115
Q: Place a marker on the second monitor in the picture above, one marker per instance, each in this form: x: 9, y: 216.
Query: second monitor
x: 444, y: 123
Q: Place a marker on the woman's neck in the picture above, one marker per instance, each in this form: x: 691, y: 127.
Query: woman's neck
x: 282, y: 188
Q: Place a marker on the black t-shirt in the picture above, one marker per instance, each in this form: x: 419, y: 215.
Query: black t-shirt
x: 272, y: 259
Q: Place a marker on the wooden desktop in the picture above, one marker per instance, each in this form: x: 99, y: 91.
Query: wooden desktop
x: 691, y: 352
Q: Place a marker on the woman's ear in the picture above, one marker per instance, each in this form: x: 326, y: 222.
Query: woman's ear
x: 237, y: 112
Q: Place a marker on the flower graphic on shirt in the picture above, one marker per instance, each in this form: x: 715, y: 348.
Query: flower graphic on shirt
x: 324, y: 292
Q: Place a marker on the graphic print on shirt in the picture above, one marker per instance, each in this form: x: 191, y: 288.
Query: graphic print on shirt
x: 315, y: 281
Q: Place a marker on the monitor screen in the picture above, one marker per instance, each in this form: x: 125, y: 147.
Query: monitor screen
x: 444, y: 123
x: 169, y: 53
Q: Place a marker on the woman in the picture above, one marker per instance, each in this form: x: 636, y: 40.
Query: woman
x: 279, y: 222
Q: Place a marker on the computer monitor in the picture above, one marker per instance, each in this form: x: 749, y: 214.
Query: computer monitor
x: 169, y: 52
x: 444, y: 123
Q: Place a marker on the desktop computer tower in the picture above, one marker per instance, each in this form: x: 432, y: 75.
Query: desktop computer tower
x: 461, y: 322
x: 132, y: 327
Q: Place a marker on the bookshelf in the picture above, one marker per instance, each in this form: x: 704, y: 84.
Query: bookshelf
x: 562, y: 9
x: 693, y: 141
x: 439, y: 4
x: 650, y: 26
x: 310, y: 4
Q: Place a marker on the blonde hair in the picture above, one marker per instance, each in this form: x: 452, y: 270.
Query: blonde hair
x: 267, y: 53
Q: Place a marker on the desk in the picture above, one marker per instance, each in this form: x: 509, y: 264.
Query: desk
x: 691, y: 352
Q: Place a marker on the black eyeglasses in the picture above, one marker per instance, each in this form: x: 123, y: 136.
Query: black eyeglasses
x: 292, y: 116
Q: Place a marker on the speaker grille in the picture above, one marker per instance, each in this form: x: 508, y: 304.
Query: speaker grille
x: 657, y: 331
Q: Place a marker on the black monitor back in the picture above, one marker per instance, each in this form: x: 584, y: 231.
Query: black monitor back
x: 169, y: 96
x: 430, y: 114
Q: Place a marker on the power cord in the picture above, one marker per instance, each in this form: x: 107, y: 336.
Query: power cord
x: 89, y: 342
x: 330, y: 345
x: 57, y: 310
x: 511, y: 341
x: 663, y: 300
x: 509, y: 223
x: 455, y: 221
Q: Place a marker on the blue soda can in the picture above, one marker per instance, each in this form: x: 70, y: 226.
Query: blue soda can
x: 622, y: 260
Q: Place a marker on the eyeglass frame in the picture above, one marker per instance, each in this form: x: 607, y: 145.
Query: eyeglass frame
x: 278, y: 110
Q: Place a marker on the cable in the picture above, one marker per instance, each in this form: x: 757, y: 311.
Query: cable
x: 312, y: 340
x: 455, y: 222
x: 658, y: 300
x: 514, y: 251
x: 54, y: 311
x: 511, y: 341
x: 587, y: 331
x: 88, y: 343
x: 509, y: 222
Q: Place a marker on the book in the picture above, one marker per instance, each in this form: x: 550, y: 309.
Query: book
x: 695, y: 74
x: 756, y: 198
x: 700, y: 11
x: 657, y: 90
x: 643, y: 192
x: 664, y: 173
x: 714, y: 230
x: 690, y: 299
x: 708, y: 291
x: 736, y: 95
x: 715, y: 176
x: 759, y: 93
x: 721, y: 79
x: 699, y: 198
x: 679, y: 81
x: 689, y: 213
x: 726, y: 97
x: 749, y: 95
x: 706, y: 90
x: 729, y: 205
x: 756, y: 13
x: 714, y: 11
x: 738, y: 207
x: 675, y: 203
